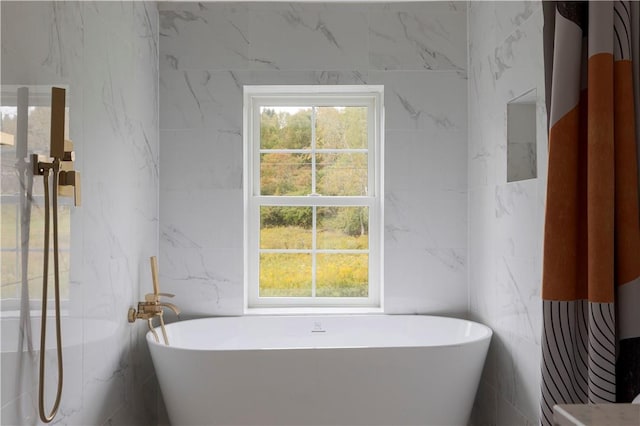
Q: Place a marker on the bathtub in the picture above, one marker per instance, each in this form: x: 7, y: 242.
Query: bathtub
x: 323, y: 370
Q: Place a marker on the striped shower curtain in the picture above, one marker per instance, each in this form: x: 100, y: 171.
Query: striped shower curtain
x: 591, y: 265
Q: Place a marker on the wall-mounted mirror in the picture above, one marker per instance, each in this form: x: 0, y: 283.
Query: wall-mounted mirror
x: 521, y: 137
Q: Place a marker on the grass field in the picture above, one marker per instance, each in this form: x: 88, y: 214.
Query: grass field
x: 10, y: 256
x: 289, y: 274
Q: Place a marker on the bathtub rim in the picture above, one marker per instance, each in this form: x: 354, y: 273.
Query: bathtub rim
x: 486, y: 334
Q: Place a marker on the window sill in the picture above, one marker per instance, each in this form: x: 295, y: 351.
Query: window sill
x: 314, y: 311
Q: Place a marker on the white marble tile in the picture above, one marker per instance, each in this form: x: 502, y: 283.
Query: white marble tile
x: 216, y: 224
x: 204, y: 36
x: 519, y: 229
x: 482, y: 230
x: 485, y: 407
x: 527, y: 392
x: 144, y: 97
x: 512, y: 15
x: 320, y: 76
x: 423, y: 281
x: 509, y: 415
x: 21, y: 410
x: 481, y: 30
x: 316, y: 36
x: 201, y: 98
x: 516, y: 64
x: 505, y: 220
x: 104, y: 387
x: 205, y: 281
x: 117, y: 15
x: 490, y: 23
x: 518, y: 299
x: 200, y: 159
x: 418, y: 100
x: 53, y: 51
x: 418, y: 36
x: 429, y: 160
x: 439, y: 220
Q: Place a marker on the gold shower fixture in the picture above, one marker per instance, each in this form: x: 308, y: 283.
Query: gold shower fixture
x: 60, y: 166
x: 152, y: 306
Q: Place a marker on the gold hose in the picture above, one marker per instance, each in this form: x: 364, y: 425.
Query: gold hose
x: 43, y: 332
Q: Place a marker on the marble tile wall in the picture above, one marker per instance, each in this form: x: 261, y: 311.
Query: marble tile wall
x: 107, y: 54
x: 505, y: 219
x: 208, y: 51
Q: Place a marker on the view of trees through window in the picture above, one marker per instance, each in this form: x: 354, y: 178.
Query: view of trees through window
x: 14, y: 184
x: 315, y: 250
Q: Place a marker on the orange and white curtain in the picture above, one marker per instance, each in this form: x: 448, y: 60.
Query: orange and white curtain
x: 591, y: 264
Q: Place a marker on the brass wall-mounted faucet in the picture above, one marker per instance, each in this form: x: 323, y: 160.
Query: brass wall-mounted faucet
x: 62, y: 157
x: 152, y: 306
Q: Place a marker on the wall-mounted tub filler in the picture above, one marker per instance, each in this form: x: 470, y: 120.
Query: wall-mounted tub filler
x: 59, y: 164
x: 152, y: 307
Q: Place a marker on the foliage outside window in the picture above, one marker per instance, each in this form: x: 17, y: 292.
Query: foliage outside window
x: 22, y: 245
x: 313, y: 196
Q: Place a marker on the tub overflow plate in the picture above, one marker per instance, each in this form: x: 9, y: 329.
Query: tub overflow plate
x: 317, y: 328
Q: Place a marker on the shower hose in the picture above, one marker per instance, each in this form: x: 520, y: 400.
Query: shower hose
x: 46, y: 418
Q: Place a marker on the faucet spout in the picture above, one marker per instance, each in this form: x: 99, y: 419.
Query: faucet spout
x: 152, y: 306
x: 171, y: 306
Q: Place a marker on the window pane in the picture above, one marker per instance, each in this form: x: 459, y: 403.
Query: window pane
x: 10, y: 225
x: 341, y: 127
x: 343, y: 228
x: 342, y: 174
x: 285, y: 227
x: 285, y: 174
x: 10, y: 274
x: 342, y: 275
x: 285, y: 275
x: 285, y: 127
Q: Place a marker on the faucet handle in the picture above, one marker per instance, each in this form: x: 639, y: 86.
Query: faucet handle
x: 68, y: 155
x: 155, y: 297
x: 70, y: 178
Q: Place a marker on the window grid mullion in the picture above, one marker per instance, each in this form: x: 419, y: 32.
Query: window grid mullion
x: 313, y: 150
x: 19, y: 219
x: 317, y: 150
x: 313, y: 251
x: 319, y: 251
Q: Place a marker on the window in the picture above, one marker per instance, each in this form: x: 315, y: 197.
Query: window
x: 313, y: 196
x: 22, y: 202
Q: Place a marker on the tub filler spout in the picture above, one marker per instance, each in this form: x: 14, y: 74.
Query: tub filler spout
x: 152, y: 306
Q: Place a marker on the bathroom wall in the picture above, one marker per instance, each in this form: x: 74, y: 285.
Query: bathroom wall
x: 505, y: 219
x: 208, y: 51
x: 107, y: 54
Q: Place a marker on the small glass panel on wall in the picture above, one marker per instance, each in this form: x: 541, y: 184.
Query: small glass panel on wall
x: 521, y: 138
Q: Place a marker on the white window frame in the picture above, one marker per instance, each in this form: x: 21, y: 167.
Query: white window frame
x: 255, y: 97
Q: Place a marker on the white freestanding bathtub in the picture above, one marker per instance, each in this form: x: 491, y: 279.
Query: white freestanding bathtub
x: 322, y: 370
